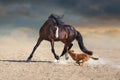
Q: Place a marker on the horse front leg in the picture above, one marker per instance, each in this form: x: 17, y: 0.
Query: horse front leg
x: 70, y: 46
x: 65, y: 50
x: 38, y: 43
x: 53, y: 50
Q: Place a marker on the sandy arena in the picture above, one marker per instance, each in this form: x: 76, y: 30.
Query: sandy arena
x: 14, y: 50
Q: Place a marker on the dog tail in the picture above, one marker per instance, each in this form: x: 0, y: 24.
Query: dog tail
x: 81, y: 44
x: 94, y: 58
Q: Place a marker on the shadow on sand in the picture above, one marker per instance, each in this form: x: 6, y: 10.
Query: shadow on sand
x: 24, y: 61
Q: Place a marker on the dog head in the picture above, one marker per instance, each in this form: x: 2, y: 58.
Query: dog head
x: 70, y: 51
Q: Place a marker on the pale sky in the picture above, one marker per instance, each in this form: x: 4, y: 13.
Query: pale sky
x: 33, y: 13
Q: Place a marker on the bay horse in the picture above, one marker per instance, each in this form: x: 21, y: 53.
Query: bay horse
x: 55, y: 30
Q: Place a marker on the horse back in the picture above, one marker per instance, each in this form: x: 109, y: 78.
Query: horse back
x: 67, y: 32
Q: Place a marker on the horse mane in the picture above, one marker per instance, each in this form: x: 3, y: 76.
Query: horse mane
x: 57, y: 18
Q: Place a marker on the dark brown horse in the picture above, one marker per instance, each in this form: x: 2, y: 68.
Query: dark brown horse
x: 55, y: 30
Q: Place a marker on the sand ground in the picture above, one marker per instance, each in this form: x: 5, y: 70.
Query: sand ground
x: 104, y: 42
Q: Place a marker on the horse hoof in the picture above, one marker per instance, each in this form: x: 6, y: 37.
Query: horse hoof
x: 57, y: 57
x: 66, y: 58
x: 28, y: 60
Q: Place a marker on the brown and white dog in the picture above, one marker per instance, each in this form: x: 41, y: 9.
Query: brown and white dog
x: 80, y: 57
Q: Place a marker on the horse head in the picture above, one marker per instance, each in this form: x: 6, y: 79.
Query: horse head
x: 57, y: 19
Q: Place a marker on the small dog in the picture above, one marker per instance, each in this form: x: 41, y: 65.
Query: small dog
x: 80, y: 57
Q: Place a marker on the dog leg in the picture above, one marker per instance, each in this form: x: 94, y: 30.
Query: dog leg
x: 81, y: 64
x: 83, y: 61
x: 78, y: 62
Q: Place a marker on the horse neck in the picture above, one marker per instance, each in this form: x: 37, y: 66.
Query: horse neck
x: 48, y: 23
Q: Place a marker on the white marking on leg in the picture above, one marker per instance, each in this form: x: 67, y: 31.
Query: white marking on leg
x: 56, y: 61
x: 56, y: 33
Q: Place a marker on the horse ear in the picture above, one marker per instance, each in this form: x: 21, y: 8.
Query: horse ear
x: 54, y: 21
x: 62, y: 16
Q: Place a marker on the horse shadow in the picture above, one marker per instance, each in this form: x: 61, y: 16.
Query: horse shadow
x: 24, y: 61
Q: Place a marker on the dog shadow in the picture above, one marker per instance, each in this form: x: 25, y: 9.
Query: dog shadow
x: 24, y: 61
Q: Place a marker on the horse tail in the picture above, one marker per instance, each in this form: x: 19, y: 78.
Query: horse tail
x: 81, y: 45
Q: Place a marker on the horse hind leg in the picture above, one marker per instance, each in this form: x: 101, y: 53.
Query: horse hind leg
x: 37, y: 44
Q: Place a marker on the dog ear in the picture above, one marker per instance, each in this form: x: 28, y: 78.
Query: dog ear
x: 72, y: 50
